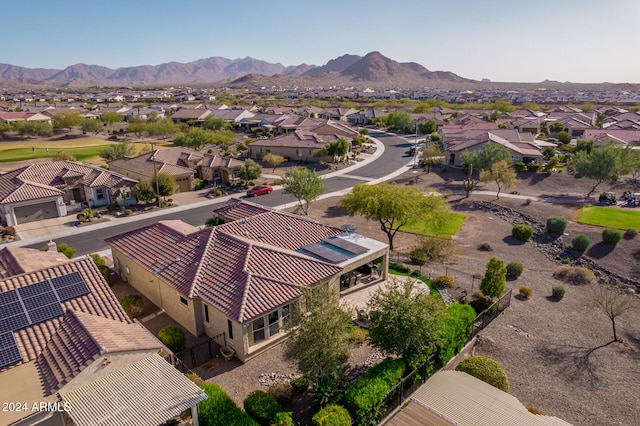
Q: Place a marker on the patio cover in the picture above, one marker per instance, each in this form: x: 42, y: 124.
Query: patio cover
x: 148, y: 392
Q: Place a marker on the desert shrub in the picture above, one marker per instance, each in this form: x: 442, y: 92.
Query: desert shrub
x: 300, y: 384
x: 282, y: 392
x: 487, y: 370
x: 195, y: 379
x: 443, y: 281
x: 534, y: 410
x: 332, y: 415
x: 132, y: 305
x: 580, y: 243
x: 514, y: 269
x: 485, y: 247
x: 415, y: 273
x: 481, y: 304
x: 525, y: 292
x: 81, y: 217
x: 283, y: 418
x: 365, y: 399
x: 455, y: 330
x: 105, y: 271
x: 631, y: 233
x: 519, y: 166
x: 358, y: 335
x: 533, y: 167
x: 438, y: 249
x: 220, y: 410
x: 173, y: 338
x: 521, y: 232
x: 611, y: 236
x: 557, y: 292
x: 556, y: 225
x: 66, y: 250
x: 399, y: 268
x: 9, y: 230
x: 128, y: 212
x: 577, y: 275
x: 261, y: 407
x: 418, y: 256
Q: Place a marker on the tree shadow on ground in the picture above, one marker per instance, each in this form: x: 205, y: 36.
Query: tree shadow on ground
x: 576, y: 363
x: 534, y: 178
x: 303, y: 407
x: 600, y: 250
x: 334, y: 211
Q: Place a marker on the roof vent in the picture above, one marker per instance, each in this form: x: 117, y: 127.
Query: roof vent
x: 290, y: 228
x: 348, y: 228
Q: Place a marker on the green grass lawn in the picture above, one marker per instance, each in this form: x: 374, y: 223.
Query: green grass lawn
x: 432, y: 288
x: 449, y: 227
x: 609, y: 217
x: 21, y: 154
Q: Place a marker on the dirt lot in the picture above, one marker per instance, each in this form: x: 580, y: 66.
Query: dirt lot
x: 542, y: 344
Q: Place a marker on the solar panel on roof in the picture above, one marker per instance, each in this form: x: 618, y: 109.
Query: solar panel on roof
x: 45, y: 313
x: 10, y: 323
x: 325, y: 253
x: 9, y: 352
x: 70, y: 286
x: 8, y: 297
x: 346, y: 245
x: 39, y: 300
x: 34, y: 289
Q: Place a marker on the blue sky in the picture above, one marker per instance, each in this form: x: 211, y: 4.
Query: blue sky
x: 502, y: 40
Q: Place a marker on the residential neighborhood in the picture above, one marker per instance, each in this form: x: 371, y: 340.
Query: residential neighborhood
x: 277, y: 251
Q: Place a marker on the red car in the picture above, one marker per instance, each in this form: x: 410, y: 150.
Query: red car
x: 259, y: 190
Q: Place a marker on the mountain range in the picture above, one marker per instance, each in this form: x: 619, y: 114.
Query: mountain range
x: 347, y: 69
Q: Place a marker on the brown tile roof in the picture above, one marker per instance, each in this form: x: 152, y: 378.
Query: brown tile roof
x: 100, y: 301
x: 243, y: 268
x: 143, y: 165
x: 18, y: 260
x: 236, y: 209
x: 81, y: 338
x: 298, y: 139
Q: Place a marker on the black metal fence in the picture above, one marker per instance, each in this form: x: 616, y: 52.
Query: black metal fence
x: 199, y: 354
x: 485, y: 317
x: 412, y: 381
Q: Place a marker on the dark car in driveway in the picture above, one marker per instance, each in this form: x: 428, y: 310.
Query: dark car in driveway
x: 259, y: 190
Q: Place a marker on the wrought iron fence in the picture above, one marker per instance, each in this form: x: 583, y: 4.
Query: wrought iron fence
x: 485, y: 317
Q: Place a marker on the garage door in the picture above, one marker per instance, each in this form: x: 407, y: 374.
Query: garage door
x: 26, y: 214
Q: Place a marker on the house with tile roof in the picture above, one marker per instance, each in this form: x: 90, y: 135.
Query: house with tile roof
x: 521, y: 146
x: 242, y: 278
x: 299, y: 145
x: 184, y: 164
x: 72, y: 356
x: 44, y: 190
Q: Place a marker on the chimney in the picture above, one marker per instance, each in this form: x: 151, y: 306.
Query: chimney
x: 51, y: 246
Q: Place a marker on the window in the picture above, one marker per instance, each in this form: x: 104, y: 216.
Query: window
x: 184, y: 301
x: 206, y: 312
x: 230, y: 329
x: 274, y: 325
x: 258, y: 330
x: 298, y: 153
x: 286, y: 315
x: 100, y: 194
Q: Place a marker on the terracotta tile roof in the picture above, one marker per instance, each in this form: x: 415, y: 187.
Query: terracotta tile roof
x: 81, y: 338
x: 18, y: 260
x: 100, y: 301
x: 236, y: 209
x: 146, y: 393
x: 243, y: 268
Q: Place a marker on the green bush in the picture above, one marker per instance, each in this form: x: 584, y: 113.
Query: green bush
x: 557, y: 292
x: 519, y: 166
x: 611, y: 236
x: 525, y: 292
x: 577, y: 275
x: 485, y: 369
x: 132, y: 305
x: 443, y: 281
x: 365, y: 399
x: 399, y: 268
x: 514, y: 270
x: 261, y: 407
x: 481, y: 304
x: 419, y: 256
x: 65, y: 249
x: 631, y: 233
x: 195, y: 379
x: 282, y: 392
x: 220, y: 410
x: 485, y: 247
x: 105, y: 271
x: 283, y: 418
x: 580, y: 243
x: 455, y: 331
x: 332, y: 415
x: 533, y: 167
x: 415, y: 273
x: 556, y: 225
x: 522, y: 232
x: 128, y: 212
x: 173, y: 338
x: 300, y: 384
x: 81, y: 217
